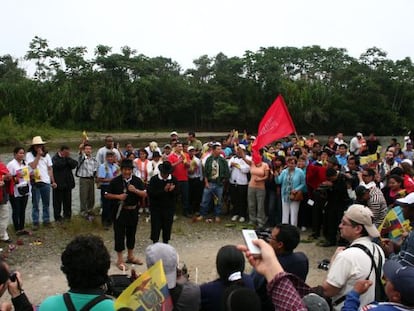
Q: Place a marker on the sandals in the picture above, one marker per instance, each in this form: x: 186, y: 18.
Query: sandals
x: 122, y: 266
x: 134, y: 261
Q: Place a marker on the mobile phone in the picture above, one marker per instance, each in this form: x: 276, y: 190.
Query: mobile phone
x: 249, y: 236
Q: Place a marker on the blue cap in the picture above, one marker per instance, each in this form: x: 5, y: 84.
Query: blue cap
x: 402, y: 277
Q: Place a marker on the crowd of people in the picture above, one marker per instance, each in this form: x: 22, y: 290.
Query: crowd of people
x: 341, y: 191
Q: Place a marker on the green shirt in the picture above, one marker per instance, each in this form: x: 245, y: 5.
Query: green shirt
x: 54, y: 303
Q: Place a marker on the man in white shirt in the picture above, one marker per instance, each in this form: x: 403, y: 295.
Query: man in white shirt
x: 239, y: 166
x: 195, y: 179
x: 109, y: 146
x: 355, y: 262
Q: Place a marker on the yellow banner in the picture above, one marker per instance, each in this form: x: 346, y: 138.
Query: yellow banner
x: 148, y: 292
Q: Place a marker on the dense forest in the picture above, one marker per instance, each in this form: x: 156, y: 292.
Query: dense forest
x: 326, y: 90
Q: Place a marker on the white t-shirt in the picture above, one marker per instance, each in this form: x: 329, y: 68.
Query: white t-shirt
x: 23, y: 170
x: 41, y: 173
x: 351, y: 265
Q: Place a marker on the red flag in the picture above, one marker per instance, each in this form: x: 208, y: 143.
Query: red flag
x: 275, y: 124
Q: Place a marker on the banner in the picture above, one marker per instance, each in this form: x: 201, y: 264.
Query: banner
x: 275, y: 124
x: 148, y: 292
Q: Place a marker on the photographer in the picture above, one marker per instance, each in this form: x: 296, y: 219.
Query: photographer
x: 13, y: 283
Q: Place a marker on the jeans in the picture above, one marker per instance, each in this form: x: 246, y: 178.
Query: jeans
x: 40, y: 190
x: 213, y: 192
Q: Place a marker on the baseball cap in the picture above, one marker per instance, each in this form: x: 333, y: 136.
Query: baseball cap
x: 361, y: 189
x: 167, y: 146
x: 402, y: 277
x: 173, y: 133
x: 217, y: 144
x: 407, y: 161
x: 252, y: 137
x: 311, y: 134
x: 190, y: 148
x: 359, y: 134
x: 315, y: 302
x: 241, y: 146
x: 169, y: 257
x: 409, y: 199
x: 363, y: 216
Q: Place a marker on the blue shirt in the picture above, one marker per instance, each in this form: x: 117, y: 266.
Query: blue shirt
x: 108, y: 170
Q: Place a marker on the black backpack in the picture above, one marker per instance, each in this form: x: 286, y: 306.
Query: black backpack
x: 70, y: 306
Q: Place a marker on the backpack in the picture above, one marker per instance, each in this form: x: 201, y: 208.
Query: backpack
x: 70, y: 306
x: 379, y: 288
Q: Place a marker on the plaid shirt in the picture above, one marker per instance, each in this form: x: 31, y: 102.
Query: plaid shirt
x: 87, y: 166
x: 286, y: 291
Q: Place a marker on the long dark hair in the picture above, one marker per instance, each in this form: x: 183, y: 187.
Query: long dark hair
x: 34, y: 152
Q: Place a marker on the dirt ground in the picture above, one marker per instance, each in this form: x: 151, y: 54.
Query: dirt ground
x: 38, y: 259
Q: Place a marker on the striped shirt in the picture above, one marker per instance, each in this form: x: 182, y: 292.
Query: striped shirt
x: 87, y: 166
x: 376, y: 203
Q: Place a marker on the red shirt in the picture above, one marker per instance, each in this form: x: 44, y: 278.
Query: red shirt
x: 408, y: 184
x: 180, y: 171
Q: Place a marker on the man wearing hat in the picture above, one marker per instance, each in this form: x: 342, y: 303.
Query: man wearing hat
x: 216, y: 171
x: 359, y: 261
x: 239, y: 165
x: 161, y: 192
x: 404, y: 253
x: 41, y: 164
x: 399, y: 289
x: 126, y: 190
x: 185, y: 294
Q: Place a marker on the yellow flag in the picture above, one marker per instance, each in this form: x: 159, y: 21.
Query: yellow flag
x: 148, y: 292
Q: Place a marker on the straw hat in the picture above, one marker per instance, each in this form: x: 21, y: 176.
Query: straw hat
x: 37, y: 140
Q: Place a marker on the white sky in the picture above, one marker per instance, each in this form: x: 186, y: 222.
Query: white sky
x: 186, y: 29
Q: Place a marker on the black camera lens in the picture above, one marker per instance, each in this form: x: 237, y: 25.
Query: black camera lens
x: 13, y: 276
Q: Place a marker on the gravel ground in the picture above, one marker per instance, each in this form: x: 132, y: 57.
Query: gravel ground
x: 38, y: 259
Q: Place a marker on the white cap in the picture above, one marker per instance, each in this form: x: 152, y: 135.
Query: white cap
x: 169, y: 257
x: 190, y: 148
x: 173, y: 133
x: 241, y: 146
x: 409, y: 199
x: 407, y: 161
x: 252, y: 137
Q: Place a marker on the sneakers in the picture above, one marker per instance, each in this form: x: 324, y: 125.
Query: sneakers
x: 235, y: 217
x: 140, y: 210
x: 242, y: 219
